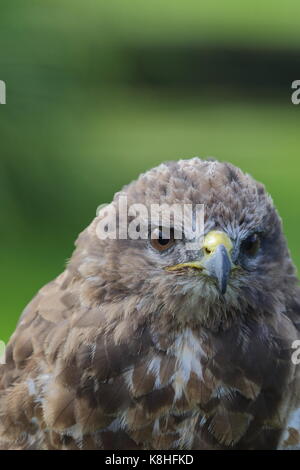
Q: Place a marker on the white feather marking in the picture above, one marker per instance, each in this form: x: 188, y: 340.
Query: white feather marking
x: 223, y: 392
x: 188, y: 352
x: 123, y: 420
x: 31, y: 387
x: 187, y: 432
x: 75, y: 432
x: 156, y: 427
x: 42, y: 383
x: 154, y: 366
x: 93, y: 351
x: 128, y: 379
x: 116, y: 424
x: 94, y: 279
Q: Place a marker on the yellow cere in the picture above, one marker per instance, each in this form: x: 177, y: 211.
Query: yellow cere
x: 215, y: 238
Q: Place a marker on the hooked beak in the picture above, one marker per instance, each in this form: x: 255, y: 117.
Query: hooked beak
x: 219, y: 265
x: 216, y: 262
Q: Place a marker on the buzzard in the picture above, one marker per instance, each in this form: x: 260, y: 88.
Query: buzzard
x: 145, y: 344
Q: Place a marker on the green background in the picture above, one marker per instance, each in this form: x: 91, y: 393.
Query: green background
x: 98, y: 92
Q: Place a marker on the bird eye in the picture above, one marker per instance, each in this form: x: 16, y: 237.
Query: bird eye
x: 250, y: 245
x: 162, y: 242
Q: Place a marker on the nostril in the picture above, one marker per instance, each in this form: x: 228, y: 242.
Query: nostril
x: 207, y: 250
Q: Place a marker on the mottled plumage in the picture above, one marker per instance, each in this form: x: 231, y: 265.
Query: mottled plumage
x: 119, y: 353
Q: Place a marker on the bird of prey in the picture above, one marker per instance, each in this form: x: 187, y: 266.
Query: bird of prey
x: 144, y: 344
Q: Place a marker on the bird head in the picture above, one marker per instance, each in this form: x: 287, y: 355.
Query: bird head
x: 240, y: 265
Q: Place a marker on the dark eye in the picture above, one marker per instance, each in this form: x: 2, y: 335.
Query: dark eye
x: 250, y: 245
x: 161, y: 241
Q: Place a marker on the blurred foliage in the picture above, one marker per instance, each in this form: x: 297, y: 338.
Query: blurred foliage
x: 82, y: 118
